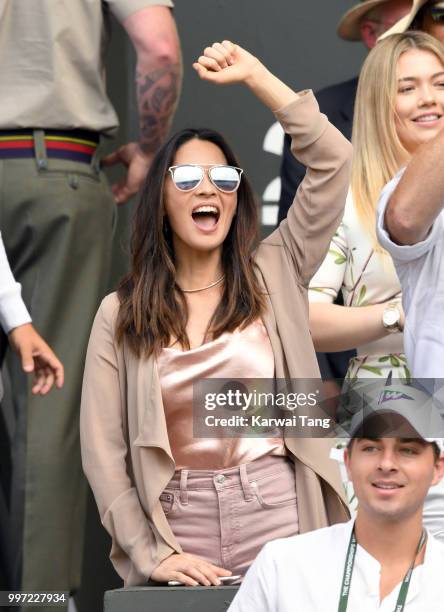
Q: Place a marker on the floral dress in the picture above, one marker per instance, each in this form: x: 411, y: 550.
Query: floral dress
x: 364, y: 277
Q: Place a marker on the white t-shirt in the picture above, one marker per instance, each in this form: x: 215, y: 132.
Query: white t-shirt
x: 420, y: 269
x: 13, y: 311
x: 304, y: 574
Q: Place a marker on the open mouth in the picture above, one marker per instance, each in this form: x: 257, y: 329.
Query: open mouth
x: 206, y: 217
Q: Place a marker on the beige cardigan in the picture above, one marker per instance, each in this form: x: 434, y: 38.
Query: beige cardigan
x: 125, y: 448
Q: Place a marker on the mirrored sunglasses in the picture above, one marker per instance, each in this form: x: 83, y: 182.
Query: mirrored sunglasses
x: 189, y: 176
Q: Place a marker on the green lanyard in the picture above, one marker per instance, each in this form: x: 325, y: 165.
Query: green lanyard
x: 348, y: 571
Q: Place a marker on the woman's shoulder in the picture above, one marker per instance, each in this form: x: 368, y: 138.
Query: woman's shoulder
x: 110, y: 303
x: 109, y: 308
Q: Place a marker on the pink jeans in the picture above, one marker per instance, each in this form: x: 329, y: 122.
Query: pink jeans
x: 226, y: 516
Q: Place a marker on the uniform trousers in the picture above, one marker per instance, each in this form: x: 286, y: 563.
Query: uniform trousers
x: 57, y: 219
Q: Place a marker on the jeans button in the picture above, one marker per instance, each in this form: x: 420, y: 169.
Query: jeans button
x: 220, y: 479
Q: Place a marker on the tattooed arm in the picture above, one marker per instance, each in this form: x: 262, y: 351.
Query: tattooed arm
x: 153, y: 33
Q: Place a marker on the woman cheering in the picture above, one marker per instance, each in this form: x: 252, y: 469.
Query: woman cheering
x: 204, y: 300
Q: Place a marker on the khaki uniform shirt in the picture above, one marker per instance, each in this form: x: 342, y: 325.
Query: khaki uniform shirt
x: 51, y: 62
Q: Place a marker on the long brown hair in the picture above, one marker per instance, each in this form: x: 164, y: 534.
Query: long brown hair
x: 153, y: 311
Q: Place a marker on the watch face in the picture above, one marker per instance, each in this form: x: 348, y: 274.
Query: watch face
x: 391, y: 316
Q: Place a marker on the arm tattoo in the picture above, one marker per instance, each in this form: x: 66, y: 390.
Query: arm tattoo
x: 157, y: 94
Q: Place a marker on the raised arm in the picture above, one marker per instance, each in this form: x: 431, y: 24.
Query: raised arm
x: 419, y: 196
x: 292, y: 174
x: 320, y: 199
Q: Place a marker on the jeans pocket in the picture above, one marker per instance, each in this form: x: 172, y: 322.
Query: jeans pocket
x: 276, y: 491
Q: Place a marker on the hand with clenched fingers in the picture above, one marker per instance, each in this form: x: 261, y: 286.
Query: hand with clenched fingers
x: 225, y: 63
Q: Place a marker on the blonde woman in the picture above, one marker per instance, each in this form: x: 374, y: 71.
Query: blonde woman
x: 372, y: 318
x: 399, y: 106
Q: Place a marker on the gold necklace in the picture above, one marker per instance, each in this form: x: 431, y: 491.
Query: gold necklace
x: 219, y: 280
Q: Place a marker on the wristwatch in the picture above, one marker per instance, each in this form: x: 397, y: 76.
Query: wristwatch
x: 391, y: 318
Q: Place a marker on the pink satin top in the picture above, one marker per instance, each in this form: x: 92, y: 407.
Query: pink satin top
x: 243, y: 353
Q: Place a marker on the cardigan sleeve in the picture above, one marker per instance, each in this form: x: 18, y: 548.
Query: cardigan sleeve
x: 320, y: 199
x: 105, y: 453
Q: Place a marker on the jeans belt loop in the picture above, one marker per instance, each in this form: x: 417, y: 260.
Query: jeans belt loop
x: 183, y: 487
x: 95, y: 159
x: 40, y: 150
x: 246, y: 486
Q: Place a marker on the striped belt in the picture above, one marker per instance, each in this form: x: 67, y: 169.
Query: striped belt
x: 77, y: 145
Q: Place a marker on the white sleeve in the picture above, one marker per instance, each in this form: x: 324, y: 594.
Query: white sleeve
x: 258, y: 591
x: 13, y: 311
x: 404, y: 253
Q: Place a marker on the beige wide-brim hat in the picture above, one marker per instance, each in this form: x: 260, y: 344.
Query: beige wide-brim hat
x: 404, y: 24
x: 348, y: 27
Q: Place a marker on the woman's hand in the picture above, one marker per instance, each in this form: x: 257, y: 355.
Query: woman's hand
x: 226, y: 63
x: 189, y: 570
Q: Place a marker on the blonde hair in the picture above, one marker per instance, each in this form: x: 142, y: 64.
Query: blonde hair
x: 378, y: 152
